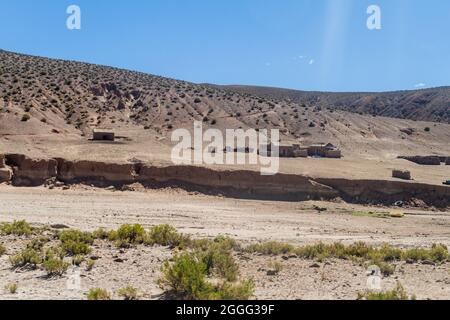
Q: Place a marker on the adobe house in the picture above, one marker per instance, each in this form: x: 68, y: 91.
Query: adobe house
x: 401, y: 174
x: 103, y: 135
x: 324, y: 150
x: 287, y: 151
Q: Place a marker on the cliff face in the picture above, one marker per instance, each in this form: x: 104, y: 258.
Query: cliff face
x: 23, y: 171
x: 5, y: 173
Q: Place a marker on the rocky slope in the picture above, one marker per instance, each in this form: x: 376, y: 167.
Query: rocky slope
x: 425, y: 105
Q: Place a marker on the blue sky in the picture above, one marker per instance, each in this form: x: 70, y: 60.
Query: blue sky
x: 301, y: 44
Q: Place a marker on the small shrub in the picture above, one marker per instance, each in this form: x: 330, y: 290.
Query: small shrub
x: 28, y: 258
x: 185, y: 277
x: 415, y: 254
x: 55, y: 266
x: 270, y: 248
x: 98, y: 294
x: 398, y: 293
x: 128, y: 235
x: 17, y: 228
x: 77, y: 260
x: 439, y: 253
x: 101, y: 234
x: 37, y: 244
x: 164, y: 235
x: 75, y: 242
x: 229, y: 291
x: 90, y: 265
x: 12, y: 288
x: 385, y: 268
x: 219, y: 261
x: 2, y: 250
x: 276, y: 267
x: 128, y: 293
x: 25, y: 117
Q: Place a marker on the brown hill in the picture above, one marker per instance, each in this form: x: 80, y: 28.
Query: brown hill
x: 426, y: 105
x: 49, y: 107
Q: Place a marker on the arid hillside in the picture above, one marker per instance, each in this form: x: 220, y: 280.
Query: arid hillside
x: 425, y: 105
x: 46, y: 102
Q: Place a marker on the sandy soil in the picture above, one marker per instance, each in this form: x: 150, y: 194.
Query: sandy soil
x: 205, y: 216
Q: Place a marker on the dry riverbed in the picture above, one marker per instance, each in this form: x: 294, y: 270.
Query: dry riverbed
x: 201, y: 216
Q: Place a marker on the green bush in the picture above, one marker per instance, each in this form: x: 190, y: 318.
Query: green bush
x: 185, y: 277
x: 75, y: 242
x: 98, y: 294
x: 37, y: 244
x: 439, y: 253
x: 271, y: 248
x: 398, y: 293
x: 128, y: 235
x: 28, y: 258
x: 101, y: 234
x: 12, y: 288
x: 219, y: 261
x: 229, y: 291
x: 164, y: 235
x: 128, y: 293
x: 357, y: 251
x: 54, y: 265
x: 77, y: 260
x: 90, y: 265
x: 385, y: 268
x: 2, y: 250
x: 17, y: 228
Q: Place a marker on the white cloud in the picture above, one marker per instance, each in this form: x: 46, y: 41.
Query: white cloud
x: 268, y: 64
x: 312, y: 61
x: 419, y: 85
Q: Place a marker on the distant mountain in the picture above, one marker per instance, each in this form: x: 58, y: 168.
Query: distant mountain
x: 427, y: 104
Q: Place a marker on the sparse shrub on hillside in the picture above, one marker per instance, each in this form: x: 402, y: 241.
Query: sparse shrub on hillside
x: 75, y: 242
x: 17, y: 228
x: 12, y: 288
x: 128, y: 293
x: 270, y: 248
x: 185, y: 277
x: 275, y: 267
x: 427, y: 129
x: 128, y: 235
x: 25, y: 117
x: 165, y: 235
x: 54, y: 265
x: 77, y: 260
x: 219, y: 261
x: 98, y: 294
x: 399, y: 293
x: 233, y: 291
x: 2, y: 250
x: 90, y: 265
x: 359, y: 251
x: 101, y: 234
x: 27, y: 258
